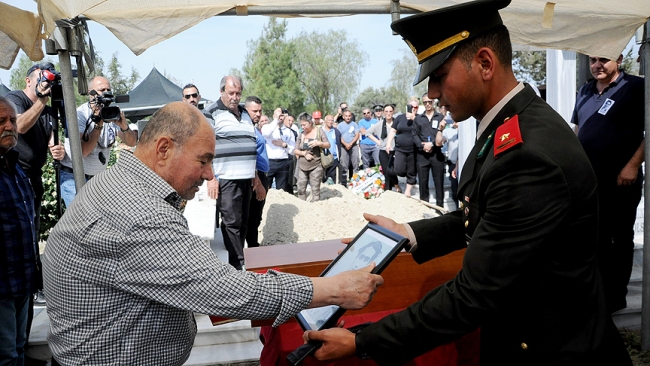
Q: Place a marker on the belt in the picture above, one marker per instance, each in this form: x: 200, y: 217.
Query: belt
x: 69, y: 170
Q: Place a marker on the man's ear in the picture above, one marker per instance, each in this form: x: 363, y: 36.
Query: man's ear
x: 164, y: 147
x: 487, y: 61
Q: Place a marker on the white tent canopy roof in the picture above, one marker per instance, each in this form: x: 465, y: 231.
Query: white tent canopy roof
x: 597, y: 27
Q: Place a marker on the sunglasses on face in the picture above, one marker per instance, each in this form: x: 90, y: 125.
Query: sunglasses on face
x: 366, y: 112
x: 193, y: 95
x: 428, y: 102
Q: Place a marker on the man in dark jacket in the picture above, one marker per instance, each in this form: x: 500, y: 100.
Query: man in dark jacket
x: 528, y: 218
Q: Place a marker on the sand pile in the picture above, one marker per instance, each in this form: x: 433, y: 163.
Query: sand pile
x: 339, y: 214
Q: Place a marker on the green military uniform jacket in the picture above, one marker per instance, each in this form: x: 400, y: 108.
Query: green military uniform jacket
x: 529, y: 279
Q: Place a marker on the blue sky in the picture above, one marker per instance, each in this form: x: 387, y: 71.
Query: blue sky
x: 198, y: 54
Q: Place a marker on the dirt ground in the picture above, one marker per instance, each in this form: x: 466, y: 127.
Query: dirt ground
x: 339, y: 213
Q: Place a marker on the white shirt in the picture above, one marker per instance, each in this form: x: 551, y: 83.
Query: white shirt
x: 271, y: 132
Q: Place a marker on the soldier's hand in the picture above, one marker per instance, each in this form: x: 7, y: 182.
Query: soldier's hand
x: 336, y: 343
x: 389, y: 224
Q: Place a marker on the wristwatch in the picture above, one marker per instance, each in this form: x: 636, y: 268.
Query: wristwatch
x: 98, y: 126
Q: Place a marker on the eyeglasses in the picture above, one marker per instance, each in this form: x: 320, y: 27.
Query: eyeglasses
x: 193, y: 95
x: 427, y: 101
x: 366, y: 112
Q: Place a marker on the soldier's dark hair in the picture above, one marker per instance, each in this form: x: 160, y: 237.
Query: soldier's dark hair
x: 498, y: 40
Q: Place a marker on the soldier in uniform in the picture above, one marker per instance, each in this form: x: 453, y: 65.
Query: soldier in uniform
x: 528, y: 218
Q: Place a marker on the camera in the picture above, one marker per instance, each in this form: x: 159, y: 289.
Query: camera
x: 284, y: 111
x: 108, y: 113
x: 52, y: 77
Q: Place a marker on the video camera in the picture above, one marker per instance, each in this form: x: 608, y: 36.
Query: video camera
x: 49, y: 75
x: 108, y: 113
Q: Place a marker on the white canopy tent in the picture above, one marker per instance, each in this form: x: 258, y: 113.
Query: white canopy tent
x: 595, y: 27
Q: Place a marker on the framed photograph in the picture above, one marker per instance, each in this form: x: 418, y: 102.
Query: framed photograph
x: 373, y: 243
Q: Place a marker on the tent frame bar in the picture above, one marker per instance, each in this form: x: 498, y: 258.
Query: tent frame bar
x: 319, y: 10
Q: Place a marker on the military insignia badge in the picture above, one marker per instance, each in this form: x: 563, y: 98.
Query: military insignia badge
x: 507, y: 136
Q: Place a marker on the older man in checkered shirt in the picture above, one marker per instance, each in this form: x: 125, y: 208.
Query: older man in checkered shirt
x: 123, y: 274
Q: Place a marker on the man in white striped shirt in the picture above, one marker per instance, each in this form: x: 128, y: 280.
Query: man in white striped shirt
x: 233, y: 164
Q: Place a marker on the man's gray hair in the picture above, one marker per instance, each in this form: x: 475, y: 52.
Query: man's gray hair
x: 6, y: 101
x: 173, y: 122
x: 222, y: 84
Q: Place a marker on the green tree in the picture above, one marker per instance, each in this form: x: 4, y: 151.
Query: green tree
x: 120, y: 84
x: 401, y: 79
x: 629, y: 64
x: 268, y: 71
x: 329, y: 67
x: 371, y: 96
x: 19, y: 73
x: 530, y: 66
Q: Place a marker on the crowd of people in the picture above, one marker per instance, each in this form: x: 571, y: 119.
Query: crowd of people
x: 544, y: 266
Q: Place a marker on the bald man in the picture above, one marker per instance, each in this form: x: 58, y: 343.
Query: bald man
x: 97, y: 139
x: 123, y: 273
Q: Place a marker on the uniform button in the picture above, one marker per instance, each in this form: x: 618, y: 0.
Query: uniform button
x: 462, y: 205
x: 524, y: 346
x: 466, y: 224
x: 466, y: 211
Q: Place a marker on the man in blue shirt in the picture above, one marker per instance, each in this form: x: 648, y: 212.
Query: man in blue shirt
x: 610, y: 125
x: 349, y: 158
x: 369, y: 150
x: 18, y: 264
x: 260, y: 183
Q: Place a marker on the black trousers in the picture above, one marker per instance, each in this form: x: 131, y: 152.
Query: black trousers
x: 255, y: 214
x: 331, y: 171
x: 617, y: 213
x: 386, y: 161
x: 404, y: 165
x: 233, y: 204
x: 435, y: 164
x: 280, y: 172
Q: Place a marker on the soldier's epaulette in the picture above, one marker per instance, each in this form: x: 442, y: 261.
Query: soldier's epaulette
x: 508, y: 135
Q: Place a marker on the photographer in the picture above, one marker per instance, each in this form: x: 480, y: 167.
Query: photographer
x: 280, y: 143
x: 339, y: 114
x: 97, y: 136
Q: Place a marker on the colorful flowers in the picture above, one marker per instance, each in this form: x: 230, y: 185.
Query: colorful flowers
x: 368, y: 182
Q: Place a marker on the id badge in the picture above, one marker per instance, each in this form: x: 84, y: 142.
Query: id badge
x: 606, y: 106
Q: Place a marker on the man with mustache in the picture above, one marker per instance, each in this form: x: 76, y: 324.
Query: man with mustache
x: 234, y: 165
x: 124, y: 274
x: 18, y: 243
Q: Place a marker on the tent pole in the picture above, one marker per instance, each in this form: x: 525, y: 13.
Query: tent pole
x: 645, y: 294
x: 70, y: 104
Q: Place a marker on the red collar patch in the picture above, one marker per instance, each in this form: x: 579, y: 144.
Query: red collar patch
x: 507, y: 136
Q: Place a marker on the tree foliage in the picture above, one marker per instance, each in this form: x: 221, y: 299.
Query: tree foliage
x: 268, y: 71
x: 402, y: 76
x: 629, y: 64
x: 371, y: 96
x: 530, y: 66
x: 329, y: 67
x: 120, y: 83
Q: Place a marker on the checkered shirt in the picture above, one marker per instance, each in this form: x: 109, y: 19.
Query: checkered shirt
x: 123, y: 276
x: 18, y: 244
